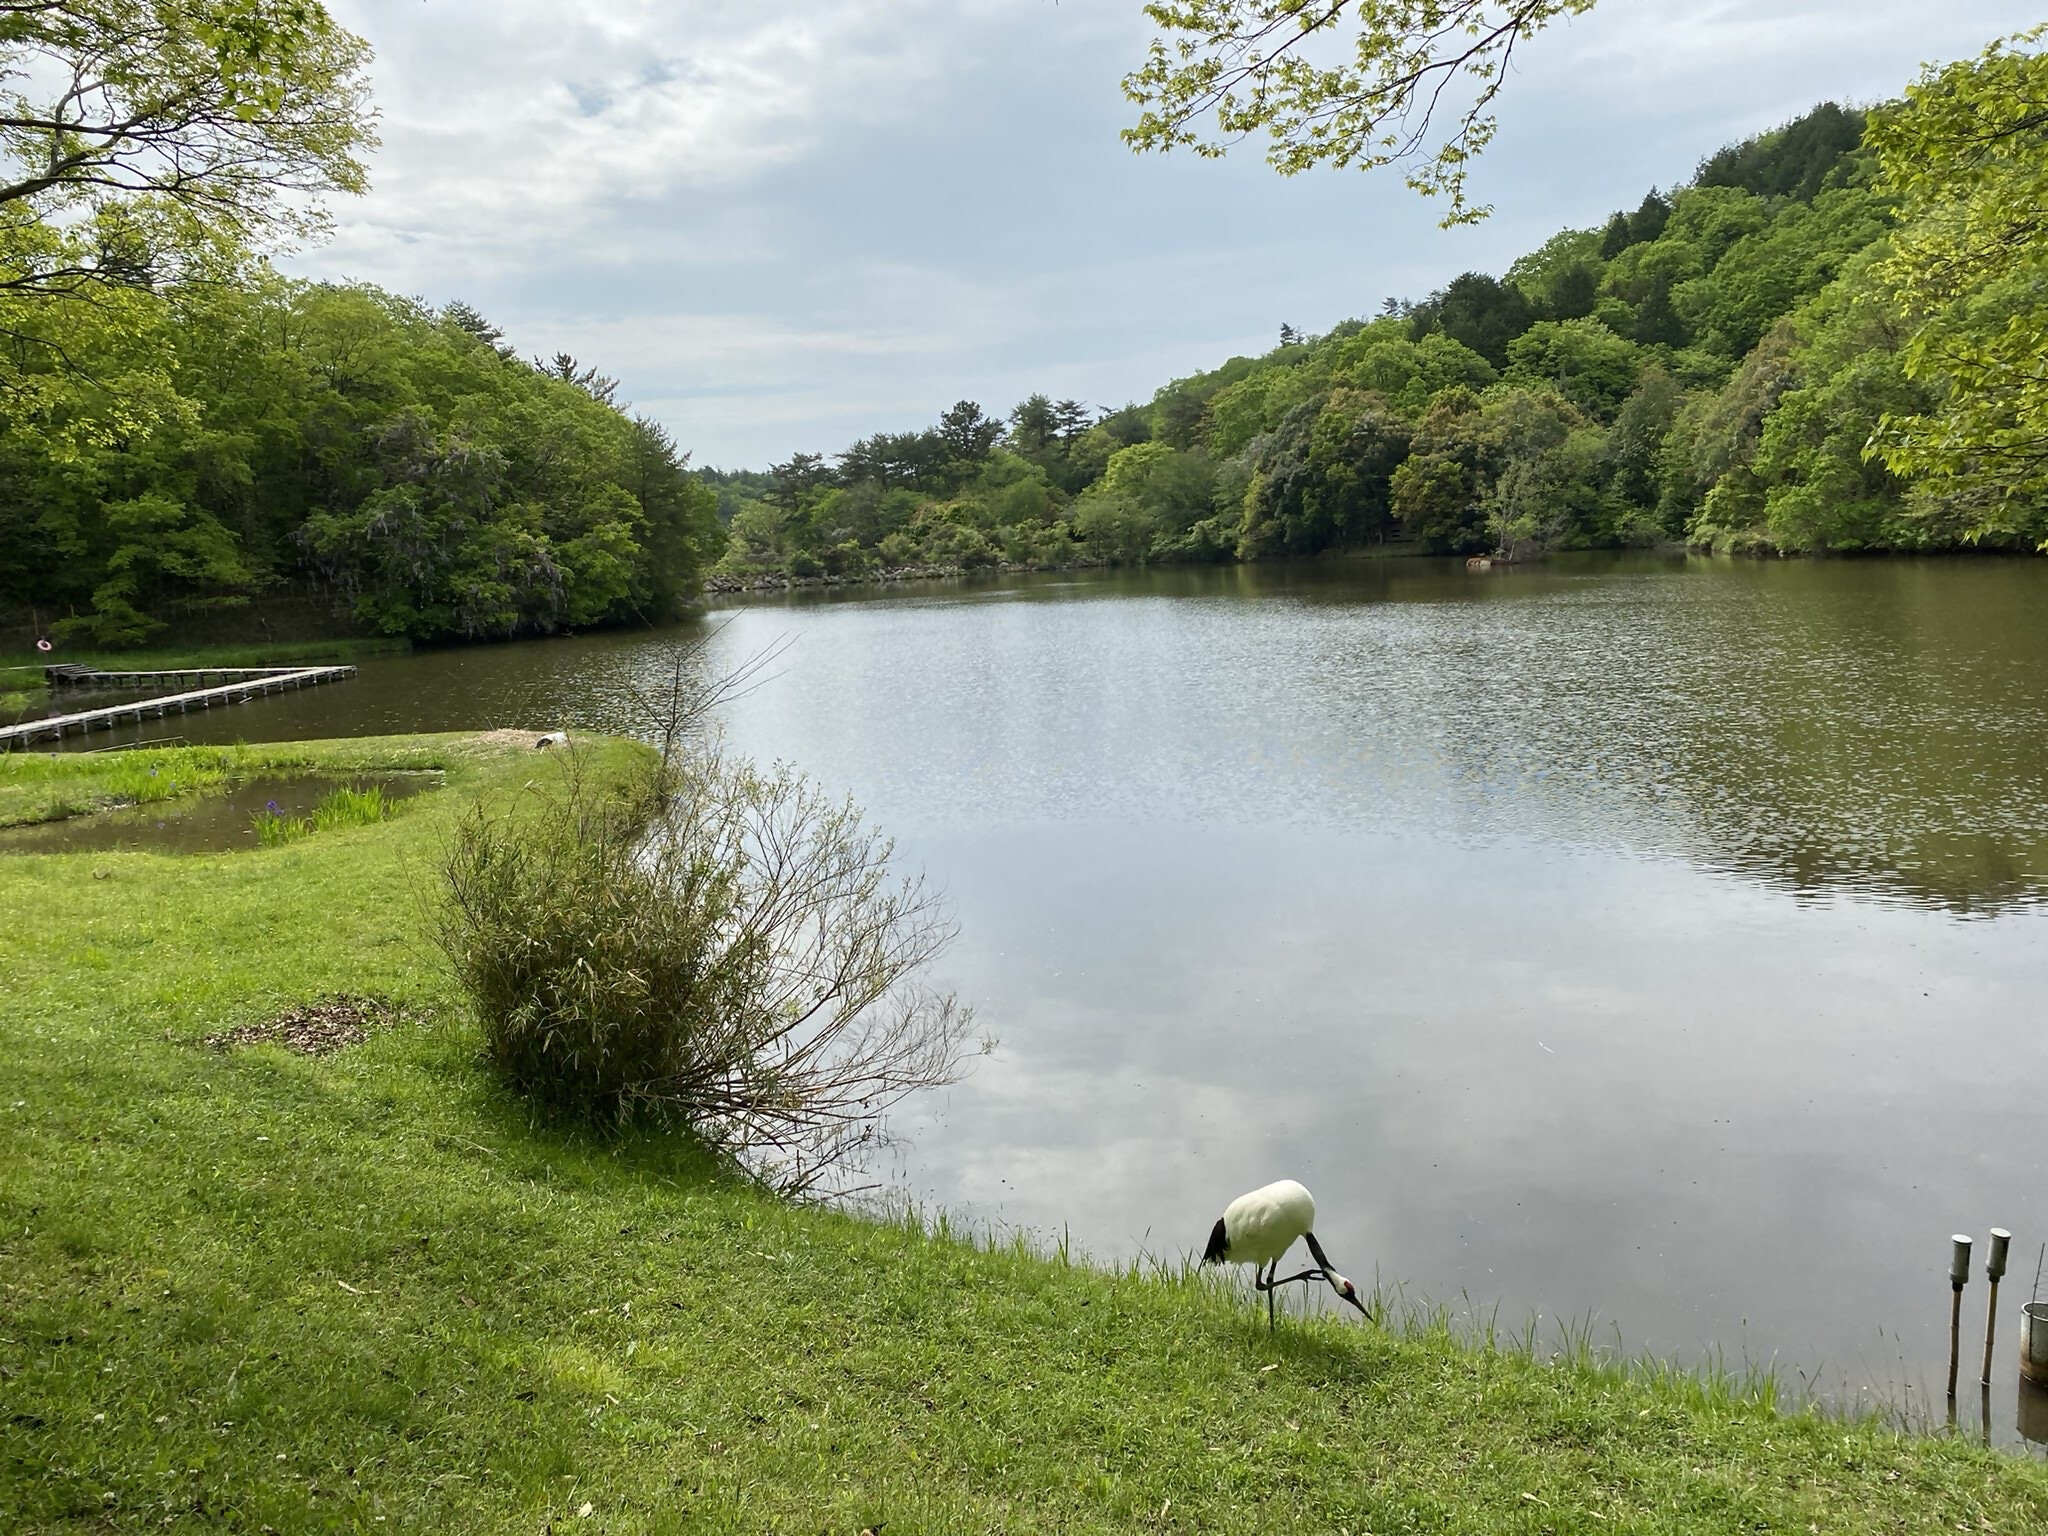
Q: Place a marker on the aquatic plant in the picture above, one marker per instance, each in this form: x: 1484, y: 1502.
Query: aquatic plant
x: 344, y: 807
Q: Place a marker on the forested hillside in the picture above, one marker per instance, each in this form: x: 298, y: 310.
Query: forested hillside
x: 1744, y: 363
x: 184, y: 450
x: 1834, y: 337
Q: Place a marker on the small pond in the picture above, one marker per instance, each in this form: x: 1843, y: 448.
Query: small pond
x: 219, y: 821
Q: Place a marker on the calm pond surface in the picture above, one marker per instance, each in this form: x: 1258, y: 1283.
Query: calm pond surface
x: 1654, y: 941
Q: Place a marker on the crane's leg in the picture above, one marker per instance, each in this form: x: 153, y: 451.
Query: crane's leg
x: 1262, y: 1280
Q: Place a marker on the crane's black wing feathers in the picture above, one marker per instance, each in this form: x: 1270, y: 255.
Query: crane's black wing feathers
x: 1219, y: 1244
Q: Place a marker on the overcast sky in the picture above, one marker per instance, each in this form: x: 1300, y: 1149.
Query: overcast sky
x: 784, y: 224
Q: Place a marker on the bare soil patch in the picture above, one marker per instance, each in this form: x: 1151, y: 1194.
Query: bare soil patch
x: 323, y: 1026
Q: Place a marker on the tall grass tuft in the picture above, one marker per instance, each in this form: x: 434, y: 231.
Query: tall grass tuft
x: 690, y: 941
x: 348, y: 807
x: 344, y: 807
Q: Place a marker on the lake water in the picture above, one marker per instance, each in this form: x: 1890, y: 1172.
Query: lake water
x: 1659, y: 942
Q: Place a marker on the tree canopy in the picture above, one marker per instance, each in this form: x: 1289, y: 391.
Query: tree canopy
x: 142, y: 138
x: 1967, y: 152
x: 277, y: 433
x: 1221, y: 70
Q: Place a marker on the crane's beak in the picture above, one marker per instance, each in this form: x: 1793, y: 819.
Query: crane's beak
x: 1349, y: 1292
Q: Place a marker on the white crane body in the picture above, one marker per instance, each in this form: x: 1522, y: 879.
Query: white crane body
x: 1258, y: 1228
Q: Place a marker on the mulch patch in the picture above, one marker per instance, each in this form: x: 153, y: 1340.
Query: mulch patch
x: 325, y: 1025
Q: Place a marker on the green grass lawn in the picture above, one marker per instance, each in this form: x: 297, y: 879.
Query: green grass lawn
x: 249, y: 1291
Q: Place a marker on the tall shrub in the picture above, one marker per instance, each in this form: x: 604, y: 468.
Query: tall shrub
x: 694, y: 941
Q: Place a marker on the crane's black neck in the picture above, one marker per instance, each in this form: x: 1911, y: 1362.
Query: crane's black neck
x: 1316, y: 1251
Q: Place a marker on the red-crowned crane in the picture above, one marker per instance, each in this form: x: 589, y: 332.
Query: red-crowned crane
x: 1260, y: 1227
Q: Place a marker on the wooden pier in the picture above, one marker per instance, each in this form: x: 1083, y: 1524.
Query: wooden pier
x: 190, y: 677
x: 244, y: 683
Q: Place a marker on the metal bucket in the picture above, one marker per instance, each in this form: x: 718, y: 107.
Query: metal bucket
x: 2034, y: 1342
x: 2033, y: 1412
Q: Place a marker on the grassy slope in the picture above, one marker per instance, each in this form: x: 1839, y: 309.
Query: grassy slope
x: 363, y: 1292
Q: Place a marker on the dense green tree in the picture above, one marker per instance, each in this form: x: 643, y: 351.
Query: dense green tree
x: 1798, y: 160
x: 1616, y: 237
x: 1635, y: 449
x: 1967, y: 154
x: 1566, y: 255
x: 1650, y: 218
x: 1774, y: 268
x: 1437, y: 493
x: 1581, y: 359
x: 968, y: 433
x: 1658, y: 322
x: 790, y: 483
x: 1543, y: 466
x: 1477, y: 311
x: 281, y: 431
x: 921, y: 460
x: 1574, y: 293
x: 1355, y: 444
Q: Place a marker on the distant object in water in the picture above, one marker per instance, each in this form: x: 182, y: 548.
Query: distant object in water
x: 1258, y: 1228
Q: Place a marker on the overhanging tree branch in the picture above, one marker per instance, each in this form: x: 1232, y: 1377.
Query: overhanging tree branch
x: 201, y: 129
x: 1222, y: 70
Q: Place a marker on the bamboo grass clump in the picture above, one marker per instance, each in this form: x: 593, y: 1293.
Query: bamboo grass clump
x: 693, y: 941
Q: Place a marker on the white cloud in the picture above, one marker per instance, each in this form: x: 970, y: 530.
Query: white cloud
x: 790, y: 222
x: 508, y: 123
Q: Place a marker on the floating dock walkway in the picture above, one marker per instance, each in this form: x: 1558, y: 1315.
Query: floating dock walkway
x: 243, y: 684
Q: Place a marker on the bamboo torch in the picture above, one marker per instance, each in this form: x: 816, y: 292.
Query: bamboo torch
x: 1994, y: 1271
x: 1958, y: 1277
